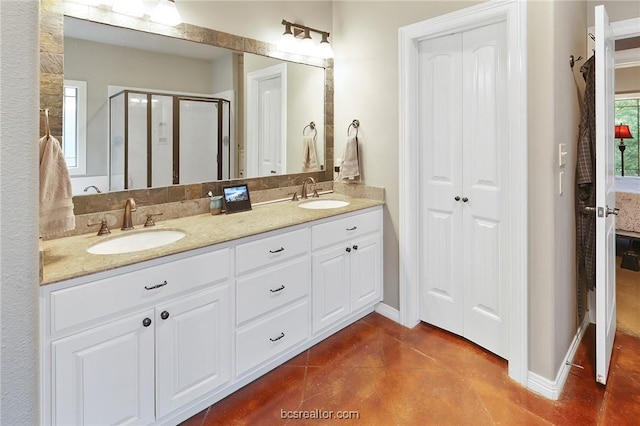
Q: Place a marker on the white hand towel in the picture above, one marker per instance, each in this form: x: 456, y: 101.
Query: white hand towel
x: 350, y: 169
x: 56, y: 202
x: 309, y: 159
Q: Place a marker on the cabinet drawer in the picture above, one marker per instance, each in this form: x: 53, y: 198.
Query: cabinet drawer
x: 266, y: 291
x: 86, y: 302
x: 266, y: 339
x: 268, y: 251
x: 345, y: 229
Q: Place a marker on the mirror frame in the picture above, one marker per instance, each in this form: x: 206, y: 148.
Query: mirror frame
x: 52, y: 14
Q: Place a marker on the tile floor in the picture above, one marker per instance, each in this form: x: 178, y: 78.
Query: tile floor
x: 380, y: 373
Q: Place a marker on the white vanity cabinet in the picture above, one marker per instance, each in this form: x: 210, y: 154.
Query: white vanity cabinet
x: 347, y: 267
x: 141, y: 353
x: 159, y: 341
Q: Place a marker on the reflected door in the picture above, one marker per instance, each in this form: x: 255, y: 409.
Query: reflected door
x: 198, y: 141
x: 266, y: 114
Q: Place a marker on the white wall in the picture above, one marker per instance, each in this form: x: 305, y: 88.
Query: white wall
x: 19, y: 82
x: 555, y: 96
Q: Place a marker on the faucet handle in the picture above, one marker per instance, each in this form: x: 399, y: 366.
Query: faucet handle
x: 315, y: 192
x: 295, y: 196
x: 104, y: 228
x: 150, y: 221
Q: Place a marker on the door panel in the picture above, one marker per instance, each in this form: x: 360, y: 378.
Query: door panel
x: 105, y: 375
x: 440, y: 133
x: 365, y: 276
x: 194, y: 348
x: 484, y: 163
x: 605, y: 195
x: 330, y: 287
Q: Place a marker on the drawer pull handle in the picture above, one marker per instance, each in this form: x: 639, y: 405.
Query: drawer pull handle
x: 153, y: 287
x: 146, y: 322
x: 277, y: 338
x: 164, y: 315
x: 277, y: 289
x: 276, y: 251
x: 353, y: 228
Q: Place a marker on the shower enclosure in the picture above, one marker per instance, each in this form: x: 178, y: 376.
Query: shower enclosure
x: 159, y: 139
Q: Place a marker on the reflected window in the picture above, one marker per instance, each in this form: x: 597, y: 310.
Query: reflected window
x: 74, y: 126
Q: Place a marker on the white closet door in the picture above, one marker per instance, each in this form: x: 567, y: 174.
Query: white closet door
x: 440, y: 132
x: 464, y: 229
x: 485, y: 225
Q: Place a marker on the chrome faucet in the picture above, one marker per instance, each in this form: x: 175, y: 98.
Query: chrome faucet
x: 129, y: 207
x: 304, y: 188
x: 94, y: 187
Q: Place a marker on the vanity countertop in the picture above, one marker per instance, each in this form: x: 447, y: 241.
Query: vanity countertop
x: 66, y: 258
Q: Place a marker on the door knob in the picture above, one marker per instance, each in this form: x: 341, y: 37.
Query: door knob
x: 348, y: 249
x: 457, y: 198
x: 164, y: 315
x: 146, y: 322
x: 612, y: 211
x: 465, y: 199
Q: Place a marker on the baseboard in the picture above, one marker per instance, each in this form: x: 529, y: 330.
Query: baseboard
x: 552, y: 389
x: 389, y: 312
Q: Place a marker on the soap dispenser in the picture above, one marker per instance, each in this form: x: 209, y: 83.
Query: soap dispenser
x: 215, y: 205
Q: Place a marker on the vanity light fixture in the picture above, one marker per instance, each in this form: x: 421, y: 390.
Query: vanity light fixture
x: 297, y: 39
x: 166, y: 13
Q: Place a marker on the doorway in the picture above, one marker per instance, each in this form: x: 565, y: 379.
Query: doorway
x: 513, y: 266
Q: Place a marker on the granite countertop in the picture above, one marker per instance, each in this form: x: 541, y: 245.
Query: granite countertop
x: 67, y: 258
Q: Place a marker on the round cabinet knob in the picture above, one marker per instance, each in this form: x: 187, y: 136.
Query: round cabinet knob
x: 465, y: 199
x: 355, y: 247
x: 457, y: 198
x: 164, y: 315
x: 146, y: 322
x: 348, y: 249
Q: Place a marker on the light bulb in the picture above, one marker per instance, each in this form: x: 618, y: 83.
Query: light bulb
x: 324, y: 48
x: 166, y: 13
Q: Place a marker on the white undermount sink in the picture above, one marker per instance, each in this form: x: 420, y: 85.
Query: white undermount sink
x: 138, y: 241
x: 323, y: 204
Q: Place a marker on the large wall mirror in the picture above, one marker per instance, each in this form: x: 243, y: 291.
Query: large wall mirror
x: 224, y: 106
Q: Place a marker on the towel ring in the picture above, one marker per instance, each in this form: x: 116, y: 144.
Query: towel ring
x: 356, y: 124
x: 312, y: 126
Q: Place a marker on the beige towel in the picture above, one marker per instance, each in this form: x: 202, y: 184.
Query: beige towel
x: 309, y: 159
x: 56, y: 205
x: 350, y: 169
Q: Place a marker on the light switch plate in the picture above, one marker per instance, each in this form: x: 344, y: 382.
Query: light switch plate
x: 560, y: 182
x: 562, y: 155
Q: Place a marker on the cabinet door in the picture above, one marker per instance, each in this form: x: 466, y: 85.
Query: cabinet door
x: 366, y: 272
x: 330, y: 286
x: 105, y: 375
x: 193, y: 347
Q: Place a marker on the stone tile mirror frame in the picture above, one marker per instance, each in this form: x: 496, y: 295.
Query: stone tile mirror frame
x: 51, y: 96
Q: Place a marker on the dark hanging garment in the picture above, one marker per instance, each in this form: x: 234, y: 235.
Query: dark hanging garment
x: 585, y: 182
